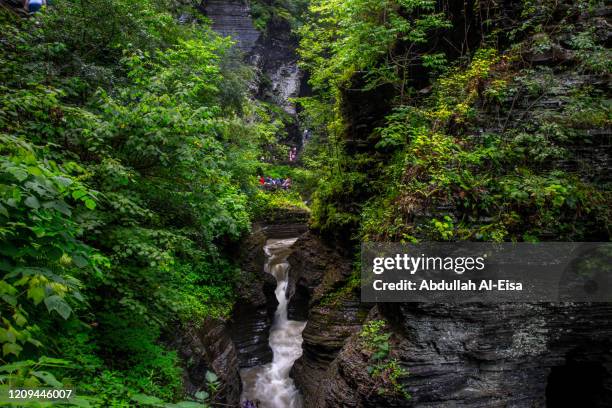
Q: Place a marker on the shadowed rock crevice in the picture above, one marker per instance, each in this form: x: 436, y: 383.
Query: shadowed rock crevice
x: 317, y: 278
x: 581, y: 381
x: 209, y: 347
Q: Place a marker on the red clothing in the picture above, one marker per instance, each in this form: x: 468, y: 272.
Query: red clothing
x: 261, y: 181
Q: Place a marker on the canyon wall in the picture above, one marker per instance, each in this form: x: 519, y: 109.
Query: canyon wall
x: 271, y: 53
x: 474, y: 355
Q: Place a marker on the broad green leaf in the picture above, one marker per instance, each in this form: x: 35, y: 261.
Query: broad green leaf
x: 59, y: 206
x: 35, y: 171
x: 211, y: 377
x: 5, y: 335
x: 9, y: 368
x: 22, y: 281
x: 11, y: 348
x: 32, y: 202
x: 79, y: 261
x: 7, y: 288
x: 78, y: 194
x: 47, y: 378
x: 51, y: 361
x: 35, y: 342
x: 10, y: 299
x: 89, y: 203
x: 147, y: 399
x: 78, y: 296
x: 63, y: 181
x: 18, y: 173
x: 19, y: 319
x: 56, y: 303
x: 201, y: 395
x: 36, y: 293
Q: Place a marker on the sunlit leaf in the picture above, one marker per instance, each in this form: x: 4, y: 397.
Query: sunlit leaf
x: 11, y: 348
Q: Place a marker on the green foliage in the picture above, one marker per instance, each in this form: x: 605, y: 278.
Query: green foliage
x: 266, y: 12
x: 375, y: 340
x: 505, y: 179
x: 43, y: 259
x: 330, y: 202
x: 28, y: 373
x: 342, y: 42
x: 384, y: 370
x: 266, y: 203
x: 343, y: 37
x: 430, y: 172
x: 128, y: 149
x: 593, y: 56
x: 200, y: 398
x: 390, y: 373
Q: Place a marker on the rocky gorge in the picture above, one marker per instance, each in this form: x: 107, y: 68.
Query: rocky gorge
x: 193, y: 195
x: 476, y: 355
x: 521, y: 355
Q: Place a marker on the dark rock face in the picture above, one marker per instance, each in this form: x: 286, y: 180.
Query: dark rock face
x: 317, y: 271
x: 362, y: 118
x: 513, y: 355
x: 272, y: 54
x: 233, y: 18
x: 254, y: 309
x: 276, y: 60
x: 473, y: 355
x: 325, y: 334
x: 284, y: 223
x: 209, y: 348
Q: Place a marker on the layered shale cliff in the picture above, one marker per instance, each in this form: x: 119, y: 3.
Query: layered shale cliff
x: 209, y: 347
x: 270, y: 51
x: 232, y: 18
x: 475, y: 355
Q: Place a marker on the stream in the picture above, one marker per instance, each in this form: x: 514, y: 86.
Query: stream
x: 270, y: 385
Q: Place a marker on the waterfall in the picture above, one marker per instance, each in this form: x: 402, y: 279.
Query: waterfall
x: 270, y: 385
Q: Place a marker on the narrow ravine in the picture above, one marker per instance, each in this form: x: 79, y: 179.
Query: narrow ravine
x: 270, y: 385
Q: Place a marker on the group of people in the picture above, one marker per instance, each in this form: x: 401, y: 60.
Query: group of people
x: 270, y: 183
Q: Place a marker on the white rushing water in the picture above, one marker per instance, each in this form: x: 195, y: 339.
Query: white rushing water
x: 270, y: 385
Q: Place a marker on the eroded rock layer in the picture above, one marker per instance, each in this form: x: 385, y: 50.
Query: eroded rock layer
x: 209, y: 347
x: 233, y: 18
